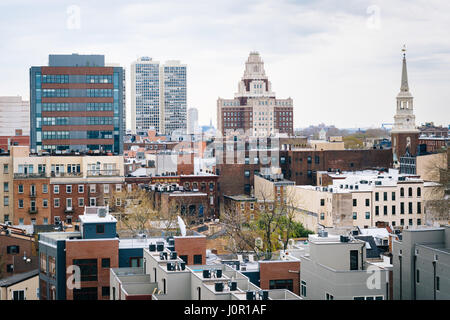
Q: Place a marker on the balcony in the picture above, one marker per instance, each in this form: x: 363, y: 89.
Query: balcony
x: 103, y: 173
x: 32, y: 210
x: 68, y: 210
x: 33, y: 194
x: 29, y: 175
x: 66, y: 174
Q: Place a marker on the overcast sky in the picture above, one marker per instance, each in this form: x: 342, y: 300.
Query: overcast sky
x: 340, y: 61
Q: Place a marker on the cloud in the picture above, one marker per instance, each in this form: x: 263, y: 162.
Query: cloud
x: 339, y: 61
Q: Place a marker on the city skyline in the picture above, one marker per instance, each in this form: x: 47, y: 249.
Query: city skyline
x: 352, y: 51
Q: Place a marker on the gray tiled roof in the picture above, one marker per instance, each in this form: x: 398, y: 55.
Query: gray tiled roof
x: 6, y: 282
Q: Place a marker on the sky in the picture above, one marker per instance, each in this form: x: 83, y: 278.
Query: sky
x: 340, y: 61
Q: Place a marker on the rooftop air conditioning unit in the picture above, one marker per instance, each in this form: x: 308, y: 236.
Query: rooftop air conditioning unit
x: 101, y: 212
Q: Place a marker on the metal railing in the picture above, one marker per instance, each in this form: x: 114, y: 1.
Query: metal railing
x: 29, y: 175
x: 93, y: 173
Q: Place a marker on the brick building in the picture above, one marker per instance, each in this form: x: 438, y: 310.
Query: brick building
x: 76, y: 104
x: 15, y: 244
x: 254, y: 109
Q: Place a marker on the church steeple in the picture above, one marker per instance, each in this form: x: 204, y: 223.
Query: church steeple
x: 404, y: 134
x: 404, y: 86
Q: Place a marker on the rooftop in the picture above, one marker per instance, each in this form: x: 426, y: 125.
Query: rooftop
x: 6, y: 282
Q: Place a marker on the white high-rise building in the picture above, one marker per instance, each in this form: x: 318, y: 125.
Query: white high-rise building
x: 158, y: 96
x: 145, y: 95
x: 14, y: 114
x: 174, y: 102
x: 192, y: 121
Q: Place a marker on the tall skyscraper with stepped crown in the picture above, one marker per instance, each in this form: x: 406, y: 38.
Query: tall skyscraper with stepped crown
x: 255, y: 109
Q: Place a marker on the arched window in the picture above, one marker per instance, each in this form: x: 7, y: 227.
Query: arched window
x: 402, y: 192
x: 419, y: 192
x: 409, y: 192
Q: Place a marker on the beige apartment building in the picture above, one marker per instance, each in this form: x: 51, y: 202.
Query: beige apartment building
x: 362, y: 199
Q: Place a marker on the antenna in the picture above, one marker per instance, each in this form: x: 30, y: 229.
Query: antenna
x: 404, y: 50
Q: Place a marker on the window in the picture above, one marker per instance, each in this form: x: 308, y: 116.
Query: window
x: 105, y: 262
x: 247, y: 173
x: 410, y: 206
x: 80, y: 188
x: 18, y: 295
x: 402, y: 222
x: 419, y: 207
x: 20, y: 203
x: 89, y: 293
x: 136, y: 262
x: 106, y: 188
x: 5, y: 187
x: 56, y: 203
x: 252, y: 206
x: 184, y: 258
x: 12, y: 249
x: 5, y: 201
x: 419, y: 192
x: 355, y: 202
x: 69, y: 189
x: 52, y: 267
x: 118, y: 187
x: 69, y: 203
x: 282, y: 284
x: 81, y: 202
x: 402, y: 208
x: 322, y: 216
x: 303, y: 288
x: 385, y: 210
x: 88, y: 269
x: 409, y: 192
x: 377, y: 196
x: 45, y: 188
x: 20, y: 187
x: 105, y: 291
x: 410, y: 222
x: 43, y: 262
x: 355, y: 216
x: 402, y: 192
x: 198, y: 259
x: 353, y: 259
x: 393, y: 196
x: 322, y: 202
x: 9, y: 268
x: 393, y: 210
x: 419, y: 222
x: 45, y: 203
x: 367, y: 215
x: 377, y: 210
x: 5, y: 169
x: 56, y: 189
x: 367, y: 202
x: 100, y: 228
x: 92, y: 188
x: 92, y: 202
x: 384, y: 196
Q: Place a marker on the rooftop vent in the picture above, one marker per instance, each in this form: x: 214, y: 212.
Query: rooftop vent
x: 152, y: 247
x: 264, y: 295
x: 173, y: 255
x: 233, y: 286
x: 218, y: 286
x: 206, y: 274
x: 344, y: 239
x: 250, y: 295
x: 101, y: 212
x: 219, y: 273
x: 159, y: 246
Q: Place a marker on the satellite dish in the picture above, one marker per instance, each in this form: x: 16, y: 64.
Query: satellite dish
x: 182, y: 226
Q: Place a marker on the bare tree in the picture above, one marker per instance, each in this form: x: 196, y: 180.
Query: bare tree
x: 135, y: 209
x: 438, y: 171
